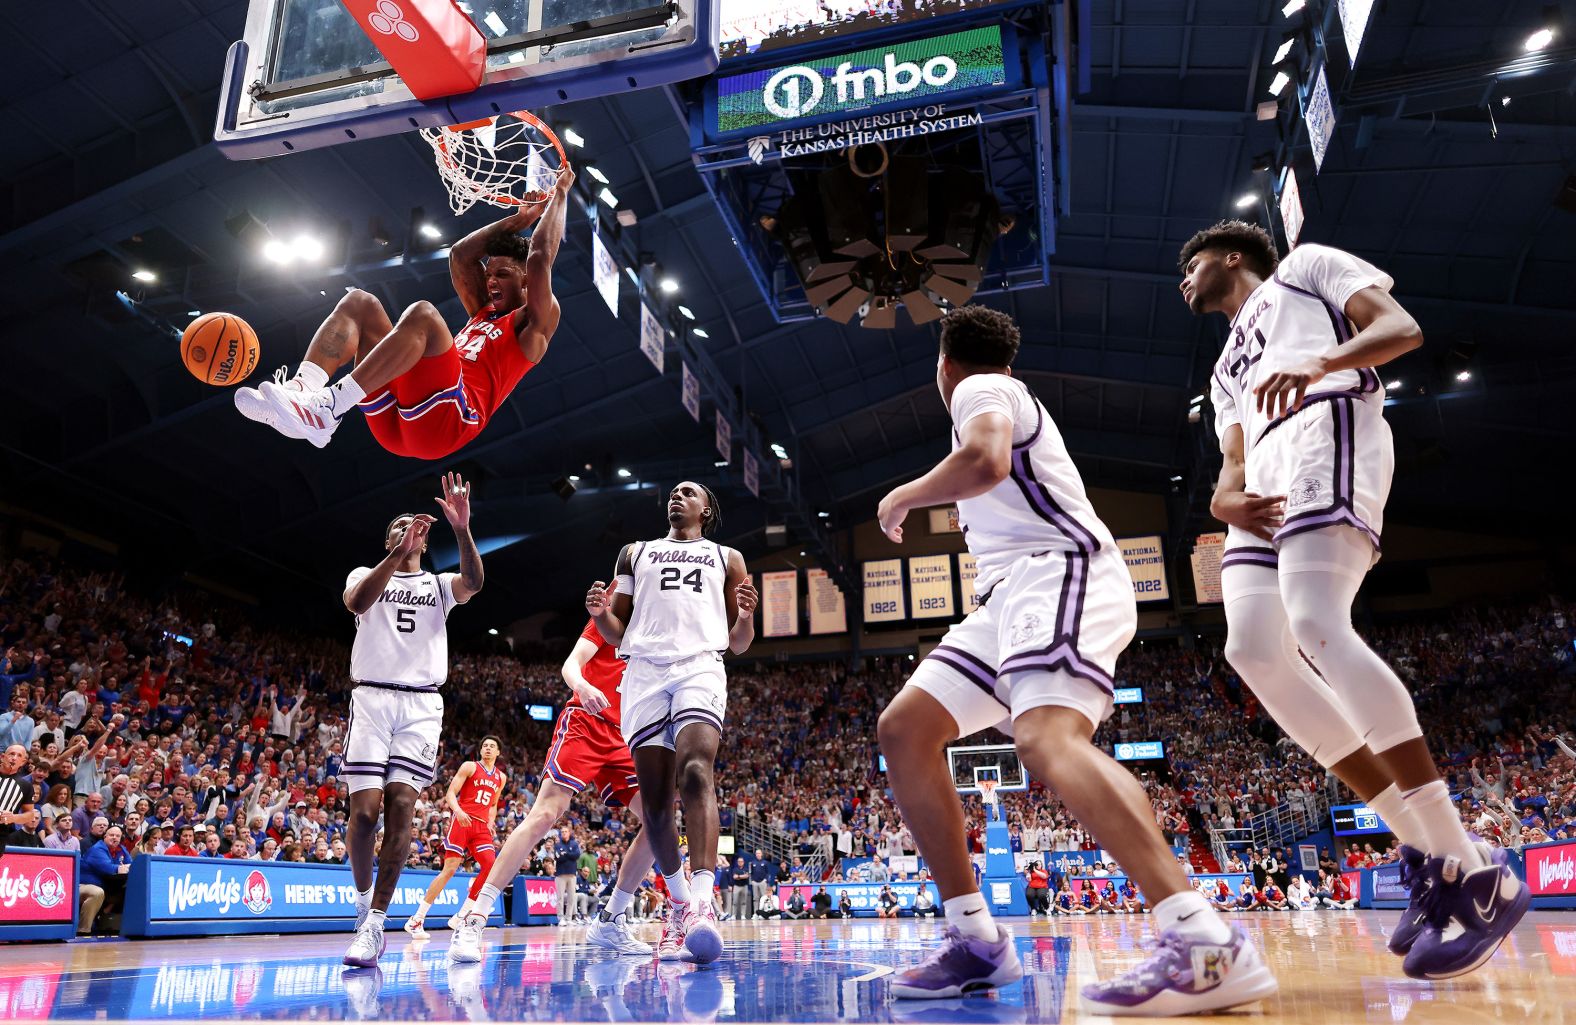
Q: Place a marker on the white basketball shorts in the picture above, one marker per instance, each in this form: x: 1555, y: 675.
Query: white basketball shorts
x: 661, y: 698
x: 1049, y: 634
x: 392, y: 738
x: 1333, y: 461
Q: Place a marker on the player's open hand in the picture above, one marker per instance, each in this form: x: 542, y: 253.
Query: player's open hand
x: 1259, y: 515
x: 455, y: 501
x: 599, y: 599
x: 414, y: 540
x: 890, y: 514
x: 1282, y: 392
x: 746, y: 597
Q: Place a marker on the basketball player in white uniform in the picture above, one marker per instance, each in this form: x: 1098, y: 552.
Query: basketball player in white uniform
x: 399, y: 661
x: 1036, y: 661
x: 1299, y: 410
x: 678, y: 603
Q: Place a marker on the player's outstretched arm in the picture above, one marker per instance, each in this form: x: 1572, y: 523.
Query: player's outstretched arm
x: 364, y: 593
x: 541, y: 306
x: 573, y: 671
x: 609, y: 607
x: 452, y: 798
x: 979, y: 463
x: 465, y: 256
x: 742, y: 600
x: 456, y: 505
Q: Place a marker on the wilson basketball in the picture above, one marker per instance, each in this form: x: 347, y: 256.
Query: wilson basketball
x: 220, y: 349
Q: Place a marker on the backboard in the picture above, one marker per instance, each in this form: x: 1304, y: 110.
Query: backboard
x: 999, y: 762
x: 306, y: 75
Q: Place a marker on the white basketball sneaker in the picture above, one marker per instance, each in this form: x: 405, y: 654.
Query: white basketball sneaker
x: 701, y: 937
x: 615, y: 935
x: 295, y: 412
x: 252, y: 405
x: 671, y: 946
x: 466, y: 945
x: 367, y: 947
x: 456, y: 920
x: 417, y: 929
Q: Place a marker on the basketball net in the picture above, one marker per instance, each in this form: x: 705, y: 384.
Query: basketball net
x: 509, y: 160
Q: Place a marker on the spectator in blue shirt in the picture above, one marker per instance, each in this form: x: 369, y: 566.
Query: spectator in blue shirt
x: 566, y: 855
x: 105, y: 865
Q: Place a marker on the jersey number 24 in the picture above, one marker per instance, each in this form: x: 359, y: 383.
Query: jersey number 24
x: 671, y: 581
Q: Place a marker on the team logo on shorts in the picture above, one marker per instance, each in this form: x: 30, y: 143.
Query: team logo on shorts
x: 1024, y: 629
x: 48, y: 889
x: 258, y: 896
x: 427, y: 752
x: 1305, y: 492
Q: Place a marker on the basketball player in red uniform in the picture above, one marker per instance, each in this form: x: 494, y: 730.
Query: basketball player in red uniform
x: 588, y: 751
x: 427, y: 393
x: 473, y: 800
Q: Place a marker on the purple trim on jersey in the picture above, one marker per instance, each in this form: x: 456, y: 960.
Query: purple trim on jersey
x: 1062, y: 653
x: 1367, y: 377
x: 967, y: 665
x: 645, y: 733
x: 1250, y: 557
x: 1340, y: 510
x: 1039, y: 420
x: 1040, y: 500
x: 1307, y: 400
x: 1075, y: 579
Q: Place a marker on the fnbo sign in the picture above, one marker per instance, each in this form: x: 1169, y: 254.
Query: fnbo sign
x: 843, y: 83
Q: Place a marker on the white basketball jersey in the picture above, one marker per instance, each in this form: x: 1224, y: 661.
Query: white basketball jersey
x: 1041, y: 506
x: 1296, y: 315
x: 403, y: 638
x: 680, y: 608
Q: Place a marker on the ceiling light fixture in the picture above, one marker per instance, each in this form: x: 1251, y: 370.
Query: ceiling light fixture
x: 606, y: 196
x: 1284, y: 51
x: 144, y: 275
x: 1540, y: 39
x: 1279, y: 82
x: 624, y: 473
x: 700, y: 332
x: 1292, y: 8
x: 573, y: 137
x: 1246, y: 200
x: 668, y: 286
x: 598, y: 175
x: 687, y: 314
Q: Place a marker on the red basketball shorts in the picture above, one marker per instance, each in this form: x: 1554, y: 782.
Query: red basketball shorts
x: 427, y: 412
x: 468, y: 840
x: 589, y: 751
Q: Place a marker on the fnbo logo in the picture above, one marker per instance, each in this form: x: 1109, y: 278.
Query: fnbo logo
x: 796, y: 91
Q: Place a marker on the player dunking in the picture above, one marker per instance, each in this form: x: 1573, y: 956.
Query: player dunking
x: 426, y: 393
x: 399, y: 661
x: 472, y: 800
x: 588, y: 751
x: 1036, y: 659
x: 677, y: 604
x: 1299, y: 410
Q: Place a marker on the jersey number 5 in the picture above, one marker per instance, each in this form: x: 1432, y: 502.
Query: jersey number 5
x: 672, y: 582
x: 405, y: 621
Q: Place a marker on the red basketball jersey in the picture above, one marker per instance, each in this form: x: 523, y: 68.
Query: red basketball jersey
x: 603, y: 672
x: 479, y: 794
x: 490, y: 358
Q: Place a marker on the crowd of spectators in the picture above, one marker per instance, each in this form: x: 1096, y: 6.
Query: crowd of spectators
x: 134, y: 726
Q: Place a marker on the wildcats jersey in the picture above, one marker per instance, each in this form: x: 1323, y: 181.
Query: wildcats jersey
x: 680, y: 609
x: 404, y: 639
x: 1041, y: 506
x: 1294, y: 316
x: 604, y: 672
x: 490, y: 359
x: 479, y: 794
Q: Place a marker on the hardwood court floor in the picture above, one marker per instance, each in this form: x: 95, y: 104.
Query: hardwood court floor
x: 1333, y: 968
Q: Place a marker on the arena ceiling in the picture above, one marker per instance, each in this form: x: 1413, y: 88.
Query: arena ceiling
x: 108, y: 165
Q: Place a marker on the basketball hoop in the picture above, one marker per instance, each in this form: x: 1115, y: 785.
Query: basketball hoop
x: 508, y: 160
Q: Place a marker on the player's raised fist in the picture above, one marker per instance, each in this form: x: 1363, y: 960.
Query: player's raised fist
x: 746, y: 597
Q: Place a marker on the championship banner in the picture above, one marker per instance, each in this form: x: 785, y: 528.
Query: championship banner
x: 724, y: 438
x: 930, y: 586
x: 38, y: 894
x: 752, y: 474
x: 1320, y: 117
x: 883, y: 594
x: 1291, y: 207
x: 651, y: 336
x: 945, y: 521
x: 968, y: 572
x: 691, y: 393
x: 1146, y: 564
x: 171, y: 896
x: 1354, y: 23
x: 604, y: 272
x: 828, y: 615
x: 1207, y: 551
x: 779, y: 602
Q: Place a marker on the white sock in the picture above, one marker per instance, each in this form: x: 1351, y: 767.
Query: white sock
x: 701, y: 884
x: 1440, y: 824
x: 422, y: 907
x: 346, y: 393
x: 1191, y: 915
x: 1392, y: 807
x: 466, y: 908
x: 678, y: 887
x: 485, y: 901
x: 375, y: 919
x: 969, y: 915
x: 311, y: 376
x: 621, y: 902
x: 363, y: 900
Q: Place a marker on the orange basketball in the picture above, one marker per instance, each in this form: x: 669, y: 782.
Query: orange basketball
x: 220, y: 348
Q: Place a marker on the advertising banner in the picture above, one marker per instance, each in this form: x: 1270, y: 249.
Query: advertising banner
x: 930, y: 586
x: 540, y: 906
x: 1551, y: 873
x: 1127, y: 696
x: 169, y: 896
x: 780, y: 604
x: 38, y: 894
x: 828, y: 614
x: 1356, y: 820
x: 1388, y: 891
x: 883, y: 595
x: 1291, y: 207
x: 1139, y: 750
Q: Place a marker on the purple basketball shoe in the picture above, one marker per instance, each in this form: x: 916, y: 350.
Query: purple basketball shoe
x: 960, y: 966
x: 1469, y: 915
x: 1186, y: 976
x: 1415, y: 877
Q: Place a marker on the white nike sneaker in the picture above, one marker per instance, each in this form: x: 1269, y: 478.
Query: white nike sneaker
x: 252, y: 405
x: 296, y: 413
x: 456, y: 920
x: 615, y: 935
x: 466, y: 945
x: 417, y: 929
x: 367, y: 947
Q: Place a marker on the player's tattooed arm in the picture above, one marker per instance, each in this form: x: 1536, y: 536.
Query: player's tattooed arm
x: 609, y: 609
x: 742, y: 599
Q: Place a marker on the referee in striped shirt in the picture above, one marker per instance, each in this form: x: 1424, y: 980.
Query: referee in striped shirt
x: 18, y: 817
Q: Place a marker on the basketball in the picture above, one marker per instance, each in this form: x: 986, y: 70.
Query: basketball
x: 219, y: 348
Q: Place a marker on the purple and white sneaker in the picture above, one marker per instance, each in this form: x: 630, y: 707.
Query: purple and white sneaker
x: 1186, y: 976
x: 1469, y: 915
x: 960, y: 966
x: 1416, y: 878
